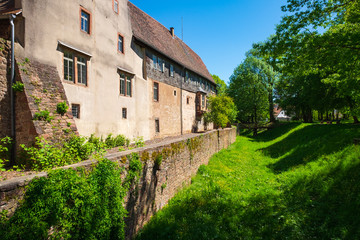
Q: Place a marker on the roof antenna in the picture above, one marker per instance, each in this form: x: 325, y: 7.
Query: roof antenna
x: 182, y: 28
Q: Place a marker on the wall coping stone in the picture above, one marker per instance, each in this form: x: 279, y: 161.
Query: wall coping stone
x: 11, y: 184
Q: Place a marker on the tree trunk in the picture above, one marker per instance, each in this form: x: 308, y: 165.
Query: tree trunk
x: 255, y: 117
x: 356, y: 120
x: 271, y: 108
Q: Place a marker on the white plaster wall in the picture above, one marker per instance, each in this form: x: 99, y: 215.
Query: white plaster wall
x: 47, y: 22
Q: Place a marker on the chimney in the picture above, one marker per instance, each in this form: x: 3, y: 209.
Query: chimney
x: 172, y: 32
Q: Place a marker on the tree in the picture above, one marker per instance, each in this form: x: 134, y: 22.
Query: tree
x: 222, y: 111
x: 220, y: 85
x: 319, y: 40
x: 249, y: 87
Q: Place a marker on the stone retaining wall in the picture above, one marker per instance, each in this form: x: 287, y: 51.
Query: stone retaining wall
x: 158, y: 184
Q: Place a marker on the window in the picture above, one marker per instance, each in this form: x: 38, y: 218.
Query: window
x: 202, y: 100
x: 122, y: 84
x: 82, y: 70
x: 125, y: 85
x: 128, y: 86
x: 157, y: 125
x: 120, y: 43
x: 188, y: 100
x: 75, y: 109
x: 161, y: 64
x: 171, y: 70
x: 74, y: 63
x: 156, y: 91
x: 116, y: 6
x: 124, y: 113
x: 155, y: 62
x: 69, y: 67
x: 85, y: 21
x: 174, y: 92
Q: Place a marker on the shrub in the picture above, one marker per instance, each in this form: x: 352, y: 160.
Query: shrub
x: 118, y: 141
x: 70, y: 204
x: 139, y: 142
x: 43, y: 116
x: 18, y: 86
x: 61, y: 108
x: 5, y: 145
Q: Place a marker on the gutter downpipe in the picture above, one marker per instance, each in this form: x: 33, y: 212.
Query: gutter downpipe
x: 12, y: 94
x: 181, y: 102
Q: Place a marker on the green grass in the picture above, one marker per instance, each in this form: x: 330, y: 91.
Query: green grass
x: 298, y: 181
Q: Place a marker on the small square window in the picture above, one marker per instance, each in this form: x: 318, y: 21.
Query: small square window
x: 85, y: 21
x: 75, y: 109
x: 157, y: 125
x: 116, y: 6
x: 124, y: 113
x: 120, y: 43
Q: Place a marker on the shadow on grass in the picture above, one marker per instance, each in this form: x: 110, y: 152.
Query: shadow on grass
x: 323, y: 206
x: 279, y: 130
x: 309, y: 143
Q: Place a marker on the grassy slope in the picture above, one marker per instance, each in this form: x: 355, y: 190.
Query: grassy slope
x: 299, y: 181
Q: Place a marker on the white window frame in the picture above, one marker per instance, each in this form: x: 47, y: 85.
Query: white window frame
x: 67, y: 63
x: 80, y: 69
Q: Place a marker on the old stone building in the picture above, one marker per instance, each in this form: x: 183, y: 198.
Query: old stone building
x: 120, y: 70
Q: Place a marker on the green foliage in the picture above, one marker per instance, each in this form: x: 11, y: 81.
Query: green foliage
x: 62, y: 108
x: 71, y: 205
x: 158, y: 160
x: 222, y: 111
x: 118, y: 141
x: 316, y: 49
x: 18, y: 86
x: 37, y: 100
x: 220, y: 85
x: 297, y: 181
x: 134, y: 172
x: 139, y: 142
x: 250, y: 87
x: 5, y: 146
x: 43, y: 115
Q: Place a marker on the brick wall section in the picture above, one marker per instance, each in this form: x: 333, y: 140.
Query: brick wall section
x: 5, y: 121
x: 43, y: 91
x: 182, y: 158
x: 5, y: 29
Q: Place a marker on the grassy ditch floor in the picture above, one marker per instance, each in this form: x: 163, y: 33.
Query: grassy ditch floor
x: 298, y: 181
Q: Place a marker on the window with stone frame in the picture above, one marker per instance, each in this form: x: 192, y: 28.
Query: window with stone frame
x: 69, y: 67
x: 116, y: 6
x: 120, y: 43
x: 75, y: 62
x: 85, y: 21
x: 124, y: 113
x: 125, y: 85
x: 82, y: 70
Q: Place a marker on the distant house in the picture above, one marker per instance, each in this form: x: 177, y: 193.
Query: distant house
x: 280, y: 114
x: 121, y: 70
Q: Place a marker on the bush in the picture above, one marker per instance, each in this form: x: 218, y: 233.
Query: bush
x: 43, y: 116
x: 61, y: 108
x: 18, y: 86
x: 222, y: 111
x: 118, y: 141
x: 71, y: 205
x: 5, y: 145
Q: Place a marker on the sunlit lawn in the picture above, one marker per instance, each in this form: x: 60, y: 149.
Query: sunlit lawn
x: 298, y: 181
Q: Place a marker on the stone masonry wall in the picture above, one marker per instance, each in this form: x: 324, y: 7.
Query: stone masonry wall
x: 158, y: 184
x: 5, y: 122
x: 43, y: 90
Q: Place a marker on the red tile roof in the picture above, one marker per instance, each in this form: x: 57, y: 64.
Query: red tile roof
x: 152, y: 33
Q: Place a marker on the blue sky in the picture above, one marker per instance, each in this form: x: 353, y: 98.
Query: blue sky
x: 220, y: 32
